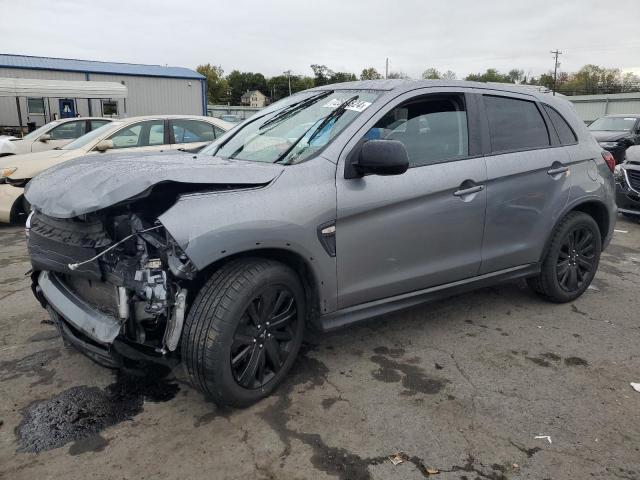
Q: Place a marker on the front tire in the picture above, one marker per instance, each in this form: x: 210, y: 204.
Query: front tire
x: 571, y: 260
x: 244, y: 330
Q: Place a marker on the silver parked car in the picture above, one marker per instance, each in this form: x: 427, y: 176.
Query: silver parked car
x: 393, y: 193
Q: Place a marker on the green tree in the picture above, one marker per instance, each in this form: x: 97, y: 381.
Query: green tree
x: 321, y: 74
x: 449, y: 75
x: 217, y: 87
x: 515, y: 75
x: 398, y: 74
x: 491, y: 75
x: 370, y: 74
x: 431, y: 74
x: 339, y: 77
x: 241, y: 82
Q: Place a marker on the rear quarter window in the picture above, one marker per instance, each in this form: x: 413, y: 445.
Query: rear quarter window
x: 515, y: 124
x: 564, y: 130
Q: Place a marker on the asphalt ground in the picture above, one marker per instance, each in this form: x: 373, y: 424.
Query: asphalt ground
x: 496, y: 384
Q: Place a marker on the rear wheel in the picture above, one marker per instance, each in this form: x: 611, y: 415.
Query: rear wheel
x: 571, y: 260
x: 244, y: 330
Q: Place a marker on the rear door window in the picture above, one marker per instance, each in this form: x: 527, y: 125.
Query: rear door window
x: 97, y: 123
x: 192, y: 131
x: 515, y: 124
x: 565, y: 132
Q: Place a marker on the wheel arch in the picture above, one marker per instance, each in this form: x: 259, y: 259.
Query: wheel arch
x: 311, y: 283
x: 595, y: 208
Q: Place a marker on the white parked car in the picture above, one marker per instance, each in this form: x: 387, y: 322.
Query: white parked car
x: 150, y: 133
x: 52, y: 135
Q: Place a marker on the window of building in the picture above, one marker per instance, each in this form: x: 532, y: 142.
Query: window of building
x: 109, y: 108
x: 515, y: 124
x: 433, y: 129
x: 35, y: 106
x: 565, y: 132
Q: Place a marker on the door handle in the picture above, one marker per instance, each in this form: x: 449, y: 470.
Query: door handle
x: 468, y: 191
x: 557, y: 170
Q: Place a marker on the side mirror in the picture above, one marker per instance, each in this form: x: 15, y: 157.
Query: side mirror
x: 45, y: 137
x: 104, y: 145
x: 382, y: 157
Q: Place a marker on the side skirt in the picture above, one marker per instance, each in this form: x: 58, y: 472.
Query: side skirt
x: 348, y: 316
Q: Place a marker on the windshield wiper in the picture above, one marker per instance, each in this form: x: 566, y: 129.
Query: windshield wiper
x: 335, y: 114
x: 295, y: 107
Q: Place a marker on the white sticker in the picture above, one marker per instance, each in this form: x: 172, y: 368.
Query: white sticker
x: 355, y: 105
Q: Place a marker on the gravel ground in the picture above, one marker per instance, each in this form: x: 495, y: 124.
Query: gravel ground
x: 458, y: 389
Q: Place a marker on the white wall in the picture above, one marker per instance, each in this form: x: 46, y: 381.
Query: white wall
x: 146, y: 96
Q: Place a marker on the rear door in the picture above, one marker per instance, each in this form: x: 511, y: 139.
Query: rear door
x: 192, y: 134
x: 403, y: 233
x: 528, y: 180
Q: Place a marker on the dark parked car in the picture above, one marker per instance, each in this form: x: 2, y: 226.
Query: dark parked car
x: 627, y: 177
x: 395, y: 193
x: 616, y: 133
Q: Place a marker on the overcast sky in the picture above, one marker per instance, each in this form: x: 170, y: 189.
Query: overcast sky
x: 272, y: 36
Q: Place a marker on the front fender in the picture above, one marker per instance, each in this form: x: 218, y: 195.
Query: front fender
x: 284, y: 215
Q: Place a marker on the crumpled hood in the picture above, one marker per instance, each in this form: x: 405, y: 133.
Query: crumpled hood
x: 608, y: 136
x: 94, y: 182
x: 31, y: 164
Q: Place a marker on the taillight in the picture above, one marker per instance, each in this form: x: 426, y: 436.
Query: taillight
x: 610, y: 161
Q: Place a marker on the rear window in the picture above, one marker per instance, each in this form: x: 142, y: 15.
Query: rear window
x: 515, y: 124
x: 565, y: 132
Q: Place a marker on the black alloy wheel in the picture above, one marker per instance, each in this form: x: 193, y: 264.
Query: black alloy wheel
x: 576, y: 259
x: 263, y: 339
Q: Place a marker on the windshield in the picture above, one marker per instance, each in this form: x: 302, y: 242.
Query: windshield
x: 292, y: 130
x: 39, y: 131
x: 84, y: 140
x: 613, y: 124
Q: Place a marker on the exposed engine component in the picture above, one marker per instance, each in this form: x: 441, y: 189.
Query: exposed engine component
x: 130, y: 256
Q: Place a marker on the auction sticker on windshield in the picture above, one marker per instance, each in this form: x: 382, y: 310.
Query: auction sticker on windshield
x: 355, y: 105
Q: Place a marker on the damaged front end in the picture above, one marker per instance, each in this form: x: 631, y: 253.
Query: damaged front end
x: 114, y: 282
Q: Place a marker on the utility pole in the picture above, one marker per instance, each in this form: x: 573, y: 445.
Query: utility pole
x: 555, y: 52
x: 386, y: 69
x: 288, y: 74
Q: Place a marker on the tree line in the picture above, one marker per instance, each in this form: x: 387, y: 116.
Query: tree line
x: 590, y: 79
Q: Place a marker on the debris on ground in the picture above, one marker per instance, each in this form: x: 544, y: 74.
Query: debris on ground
x: 635, y: 386
x: 543, y: 437
x: 432, y: 471
x: 398, y: 457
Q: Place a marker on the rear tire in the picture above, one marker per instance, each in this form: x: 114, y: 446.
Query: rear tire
x: 571, y: 260
x: 244, y: 330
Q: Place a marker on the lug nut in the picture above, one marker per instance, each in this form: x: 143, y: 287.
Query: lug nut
x: 267, y: 324
x: 260, y: 345
x: 254, y: 340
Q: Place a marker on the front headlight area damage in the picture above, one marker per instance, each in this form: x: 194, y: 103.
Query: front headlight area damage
x: 116, y: 268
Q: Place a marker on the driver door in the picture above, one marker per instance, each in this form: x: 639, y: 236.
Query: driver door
x: 61, y: 135
x: 423, y: 228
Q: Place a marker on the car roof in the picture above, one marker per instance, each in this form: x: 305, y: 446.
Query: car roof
x: 71, y: 119
x: 405, y: 85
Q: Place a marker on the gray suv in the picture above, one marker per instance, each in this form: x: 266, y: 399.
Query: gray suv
x: 332, y: 206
